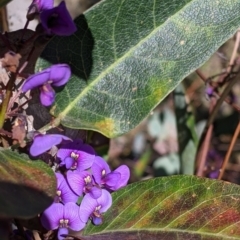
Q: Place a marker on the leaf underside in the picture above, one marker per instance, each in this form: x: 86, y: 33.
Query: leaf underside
x: 127, y: 55
x: 176, y: 207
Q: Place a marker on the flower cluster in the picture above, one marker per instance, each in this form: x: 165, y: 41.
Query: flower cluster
x: 84, y: 180
x: 87, y: 179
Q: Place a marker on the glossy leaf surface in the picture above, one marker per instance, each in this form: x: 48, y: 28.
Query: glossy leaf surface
x: 176, y: 207
x: 26, y: 187
x: 128, y: 55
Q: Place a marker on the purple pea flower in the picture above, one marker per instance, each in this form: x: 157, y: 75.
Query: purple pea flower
x: 76, y: 155
x: 93, y: 208
x: 43, y: 143
x: 58, y: 21
x: 62, y: 217
x: 82, y: 182
x: 56, y: 75
x: 64, y: 193
x: 110, y: 180
x: 38, y: 6
x: 42, y: 4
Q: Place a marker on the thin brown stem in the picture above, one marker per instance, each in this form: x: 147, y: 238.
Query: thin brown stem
x: 222, y: 98
x: 229, y: 151
x: 222, y: 78
x: 214, y: 112
x: 202, y: 76
x: 24, y: 29
x: 203, y: 152
x: 234, y: 53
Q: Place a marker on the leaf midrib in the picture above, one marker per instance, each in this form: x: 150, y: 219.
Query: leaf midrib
x: 110, y: 67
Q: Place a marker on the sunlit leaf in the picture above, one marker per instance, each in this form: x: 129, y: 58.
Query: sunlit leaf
x: 26, y: 187
x: 128, y: 55
x: 176, y: 207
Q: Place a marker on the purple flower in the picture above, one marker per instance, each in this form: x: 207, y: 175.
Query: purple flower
x: 111, y: 180
x: 56, y: 75
x: 42, y: 4
x: 82, y: 182
x: 209, y: 91
x: 58, y: 21
x: 62, y: 217
x: 76, y: 155
x: 93, y: 208
x: 43, y: 143
x: 64, y: 193
x: 38, y: 6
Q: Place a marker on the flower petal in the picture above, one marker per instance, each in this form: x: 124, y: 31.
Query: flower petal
x: 97, y: 220
x: 99, y: 165
x: 58, y: 21
x: 71, y: 213
x: 46, y: 4
x: 87, y: 207
x: 76, y: 182
x: 47, y: 95
x: 43, y: 4
x: 52, y: 215
x: 67, y: 195
x: 36, y: 80
x: 95, y: 192
x: 105, y: 201
x: 112, y: 179
x: 59, y: 74
x: 66, y: 149
x: 62, y: 232
x: 63, y: 153
x: 85, y: 160
x: 69, y: 162
x: 125, y: 174
x: 43, y: 143
x: 84, y: 153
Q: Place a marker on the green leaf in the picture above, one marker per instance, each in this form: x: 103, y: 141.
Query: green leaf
x: 128, y: 55
x: 4, y: 2
x: 176, y: 207
x: 26, y: 187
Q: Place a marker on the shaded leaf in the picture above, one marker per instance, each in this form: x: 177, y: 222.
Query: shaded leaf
x: 26, y: 187
x: 176, y: 207
x: 128, y: 55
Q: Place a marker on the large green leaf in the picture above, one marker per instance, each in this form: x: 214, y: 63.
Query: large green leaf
x: 127, y: 55
x: 176, y: 207
x: 26, y: 187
